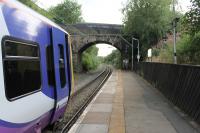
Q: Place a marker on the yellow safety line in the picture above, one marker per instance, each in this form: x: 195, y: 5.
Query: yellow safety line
x: 117, y: 122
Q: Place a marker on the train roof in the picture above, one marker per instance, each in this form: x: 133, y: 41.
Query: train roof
x: 19, y: 6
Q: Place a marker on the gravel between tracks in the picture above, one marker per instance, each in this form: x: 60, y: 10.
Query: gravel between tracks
x: 81, y: 79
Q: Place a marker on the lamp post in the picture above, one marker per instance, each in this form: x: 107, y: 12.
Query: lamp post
x: 138, y: 55
x: 132, y: 56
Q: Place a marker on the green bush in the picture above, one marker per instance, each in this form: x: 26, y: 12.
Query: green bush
x: 188, y: 49
x: 89, y: 58
x: 166, y: 54
x: 155, y: 52
x: 114, y: 59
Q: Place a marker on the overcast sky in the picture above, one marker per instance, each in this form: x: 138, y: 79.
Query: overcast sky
x: 103, y: 11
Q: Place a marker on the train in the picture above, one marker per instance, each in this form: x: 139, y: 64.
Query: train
x: 36, y: 74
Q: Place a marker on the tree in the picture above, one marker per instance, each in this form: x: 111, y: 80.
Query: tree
x: 188, y: 48
x: 147, y: 20
x: 192, y: 18
x: 89, y: 58
x: 68, y: 12
x: 114, y: 59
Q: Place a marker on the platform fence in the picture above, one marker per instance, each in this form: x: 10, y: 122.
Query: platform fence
x: 179, y: 83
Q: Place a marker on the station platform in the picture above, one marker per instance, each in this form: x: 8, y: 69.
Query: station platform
x: 128, y: 104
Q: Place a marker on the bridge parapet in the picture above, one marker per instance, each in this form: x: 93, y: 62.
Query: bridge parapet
x: 94, y: 28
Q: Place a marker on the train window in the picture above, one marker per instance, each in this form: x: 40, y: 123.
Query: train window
x: 62, y: 66
x: 21, y: 68
x: 50, y: 65
x: 13, y: 48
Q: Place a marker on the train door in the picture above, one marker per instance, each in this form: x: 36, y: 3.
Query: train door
x: 60, y: 72
x: 69, y: 64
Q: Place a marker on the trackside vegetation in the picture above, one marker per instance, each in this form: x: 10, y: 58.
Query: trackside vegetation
x: 90, y: 59
x: 113, y: 59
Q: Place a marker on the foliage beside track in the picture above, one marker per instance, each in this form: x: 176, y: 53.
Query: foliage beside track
x: 188, y: 50
x: 113, y: 59
x: 89, y: 58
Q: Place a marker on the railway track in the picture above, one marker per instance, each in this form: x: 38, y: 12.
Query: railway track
x: 79, y: 101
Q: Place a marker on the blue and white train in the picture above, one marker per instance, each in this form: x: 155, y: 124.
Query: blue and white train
x: 35, y: 69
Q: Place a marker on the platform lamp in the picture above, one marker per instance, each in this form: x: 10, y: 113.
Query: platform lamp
x: 138, y: 46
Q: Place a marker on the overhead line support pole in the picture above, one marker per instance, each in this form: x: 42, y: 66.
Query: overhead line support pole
x: 174, y: 32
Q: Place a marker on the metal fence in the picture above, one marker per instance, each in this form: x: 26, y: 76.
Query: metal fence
x: 179, y: 83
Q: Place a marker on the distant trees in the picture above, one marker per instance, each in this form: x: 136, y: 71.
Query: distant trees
x: 89, y: 58
x: 114, y: 59
x: 68, y: 12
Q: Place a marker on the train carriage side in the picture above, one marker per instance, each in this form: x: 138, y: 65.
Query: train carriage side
x: 35, y: 70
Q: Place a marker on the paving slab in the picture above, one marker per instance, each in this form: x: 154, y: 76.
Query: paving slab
x: 92, y: 128
x: 105, y: 108
x: 96, y: 118
x: 104, y: 99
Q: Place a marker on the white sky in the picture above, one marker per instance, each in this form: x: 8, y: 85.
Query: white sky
x: 105, y: 49
x: 103, y: 11
x: 97, y: 11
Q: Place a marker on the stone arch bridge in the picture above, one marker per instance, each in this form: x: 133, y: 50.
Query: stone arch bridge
x: 84, y: 35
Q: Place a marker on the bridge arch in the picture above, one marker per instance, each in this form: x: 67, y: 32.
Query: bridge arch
x: 82, y: 42
x: 89, y: 44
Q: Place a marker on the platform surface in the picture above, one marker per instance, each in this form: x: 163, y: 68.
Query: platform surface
x: 128, y: 104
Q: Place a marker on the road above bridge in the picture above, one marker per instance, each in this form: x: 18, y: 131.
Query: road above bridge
x: 127, y: 103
